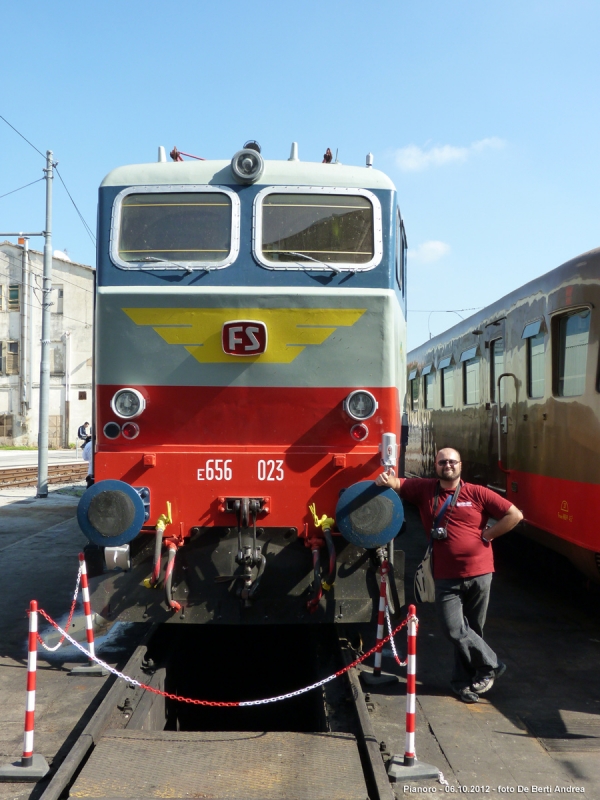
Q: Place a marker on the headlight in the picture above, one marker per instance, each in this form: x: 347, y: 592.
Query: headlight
x: 128, y: 403
x: 247, y: 165
x: 112, y: 430
x: 360, y: 405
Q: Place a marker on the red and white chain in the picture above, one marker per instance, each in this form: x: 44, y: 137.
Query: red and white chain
x: 216, y: 703
x: 68, y: 625
x: 389, y: 626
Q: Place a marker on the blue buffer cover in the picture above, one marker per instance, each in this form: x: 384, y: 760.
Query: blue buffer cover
x: 135, y: 523
x: 368, y: 515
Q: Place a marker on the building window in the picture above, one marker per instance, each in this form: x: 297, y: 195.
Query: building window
x: 11, y: 366
x: 536, y: 384
x: 573, y: 337
x: 82, y: 395
x: 57, y: 359
x: 471, y: 381
x: 496, y: 368
x: 57, y: 300
x: 14, y: 297
x: 6, y: 426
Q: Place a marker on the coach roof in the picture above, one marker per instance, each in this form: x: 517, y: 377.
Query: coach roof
x: 276, y: 173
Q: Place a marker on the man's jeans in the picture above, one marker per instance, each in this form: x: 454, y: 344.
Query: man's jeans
x: 461, y: 605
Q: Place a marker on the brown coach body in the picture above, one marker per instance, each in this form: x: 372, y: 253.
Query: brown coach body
x: 516, y: 389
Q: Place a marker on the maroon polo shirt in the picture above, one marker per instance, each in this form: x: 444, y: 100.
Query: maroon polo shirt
x: 463, y: 554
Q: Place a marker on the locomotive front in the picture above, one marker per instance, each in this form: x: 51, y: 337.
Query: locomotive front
x: 249, y: 368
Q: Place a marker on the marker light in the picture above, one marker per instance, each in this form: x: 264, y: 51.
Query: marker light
x: 112, y: 430
x: 128, y: 403
x: 130, y: 430
x: 360, y: 404
x: 247, y: 165
x: 359, y: 432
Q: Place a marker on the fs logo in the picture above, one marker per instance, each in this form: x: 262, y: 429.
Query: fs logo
x: 244, y: 337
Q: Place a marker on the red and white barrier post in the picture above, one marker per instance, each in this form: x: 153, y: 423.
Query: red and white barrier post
x: 92, y: 668
x: 411, y: 687
x: 377, y: 677
x: 32, y: 767
x: 407, y: 766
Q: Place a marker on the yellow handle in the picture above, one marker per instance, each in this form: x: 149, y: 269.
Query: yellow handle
x: 164, y: 519
x: 324, y: 522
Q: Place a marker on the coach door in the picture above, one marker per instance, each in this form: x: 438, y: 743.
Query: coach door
x: 500, y: 391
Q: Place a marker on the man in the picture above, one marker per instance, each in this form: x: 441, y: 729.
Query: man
x: 82, y: 431
x: 87, y: 455
x: 455, y: 514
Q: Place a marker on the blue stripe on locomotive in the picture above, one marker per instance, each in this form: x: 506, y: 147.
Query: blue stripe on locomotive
x: 239, y: 273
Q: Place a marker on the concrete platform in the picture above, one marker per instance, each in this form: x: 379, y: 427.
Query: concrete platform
x: 539, y: 726
x: 39, y: 546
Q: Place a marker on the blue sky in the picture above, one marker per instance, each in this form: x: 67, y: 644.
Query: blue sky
x: 485, y: 115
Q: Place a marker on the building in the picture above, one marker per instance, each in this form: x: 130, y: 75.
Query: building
x: 72, y: 304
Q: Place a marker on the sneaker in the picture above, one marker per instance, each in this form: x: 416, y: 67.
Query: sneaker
x: 467, y: 695
x: 484, y: 684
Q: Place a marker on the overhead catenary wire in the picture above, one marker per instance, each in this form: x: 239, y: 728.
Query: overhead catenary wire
x: 87, y: 228
x: 22, y: 137
x: 21, y: 187
x: 85, y: 225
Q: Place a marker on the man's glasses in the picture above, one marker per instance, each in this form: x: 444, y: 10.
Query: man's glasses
x: 448, y: 461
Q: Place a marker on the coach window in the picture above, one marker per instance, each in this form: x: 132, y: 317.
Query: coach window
x: 413, y: 380
x: 428, y: 386
x: 326, y: 230
x: 534, y: 333
x: 446, y: 371
x: 470, y: 362
x: 496, y: 367
x: 175, y: 227
x: 573, y: 337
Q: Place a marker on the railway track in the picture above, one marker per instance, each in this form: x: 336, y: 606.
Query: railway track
x: 125, y: 742
x: 57, y: 473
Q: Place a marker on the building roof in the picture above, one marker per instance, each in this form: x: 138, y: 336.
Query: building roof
x: 55, y: 257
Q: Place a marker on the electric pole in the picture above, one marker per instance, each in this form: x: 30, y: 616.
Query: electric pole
x: 42, y: 487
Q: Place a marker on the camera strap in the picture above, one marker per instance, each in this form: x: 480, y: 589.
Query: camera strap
x: 451, y: 501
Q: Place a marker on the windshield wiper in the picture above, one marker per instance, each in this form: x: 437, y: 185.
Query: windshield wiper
x: 316, y: 260
x: 169, y: 263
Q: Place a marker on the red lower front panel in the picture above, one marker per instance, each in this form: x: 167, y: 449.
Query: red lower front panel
x: 567, y: 509
x: 194, y: 482
x: 293, y: 445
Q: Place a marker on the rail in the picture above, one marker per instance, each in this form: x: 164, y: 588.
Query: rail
x: 57, y: 473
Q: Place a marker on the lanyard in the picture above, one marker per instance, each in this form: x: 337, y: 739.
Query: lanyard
x: 449, y: 501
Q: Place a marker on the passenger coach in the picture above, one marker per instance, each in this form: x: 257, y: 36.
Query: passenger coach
x: 249, y: 363
x: 516, y: 388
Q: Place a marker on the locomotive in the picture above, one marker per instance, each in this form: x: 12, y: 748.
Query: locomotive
x: 249, y: 368
x: 515, y: 388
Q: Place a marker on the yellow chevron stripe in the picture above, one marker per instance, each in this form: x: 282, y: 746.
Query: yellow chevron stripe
x: 290, y: 330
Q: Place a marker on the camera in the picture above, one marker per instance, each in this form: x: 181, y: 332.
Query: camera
x: 439, y: 533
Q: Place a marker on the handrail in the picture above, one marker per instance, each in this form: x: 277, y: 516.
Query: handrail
x: 514, y: 377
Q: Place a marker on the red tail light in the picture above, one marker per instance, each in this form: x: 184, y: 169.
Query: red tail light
x: 130, y: 430
x: 359, y: 432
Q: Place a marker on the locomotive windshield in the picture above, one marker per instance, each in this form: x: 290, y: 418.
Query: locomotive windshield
x: 182, y: 227
x: 317, y: 229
